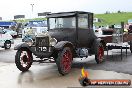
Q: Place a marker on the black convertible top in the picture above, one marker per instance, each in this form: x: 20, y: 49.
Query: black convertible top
x: 65, y: 14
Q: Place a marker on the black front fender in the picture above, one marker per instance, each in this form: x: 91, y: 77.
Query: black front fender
x: 21, y: 45
x: 62, y: 44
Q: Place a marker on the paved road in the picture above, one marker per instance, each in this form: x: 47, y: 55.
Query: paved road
x: 47, y: 76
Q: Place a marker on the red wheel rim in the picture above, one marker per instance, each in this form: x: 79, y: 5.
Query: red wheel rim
x: 66, y: 61
x: 101, y: 53
x: 25, y: 59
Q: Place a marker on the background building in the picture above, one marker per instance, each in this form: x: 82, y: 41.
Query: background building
x: 0, y: 18
x: 19, y: 17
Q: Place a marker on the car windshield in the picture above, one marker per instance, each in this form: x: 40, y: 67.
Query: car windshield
x: 37, y: 24
x: 62, y: 23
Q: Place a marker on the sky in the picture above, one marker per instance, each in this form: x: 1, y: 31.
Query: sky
x: 9, y: 8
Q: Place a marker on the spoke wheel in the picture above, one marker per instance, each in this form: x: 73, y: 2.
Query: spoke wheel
x: 99, y: 56
x: 23, y: 59
x: 64, y: 61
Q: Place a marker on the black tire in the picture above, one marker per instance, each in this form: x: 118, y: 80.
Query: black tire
x: 99, y: 55
x: 7, y: 45
x: 26, y: 59
x: 64, y: 61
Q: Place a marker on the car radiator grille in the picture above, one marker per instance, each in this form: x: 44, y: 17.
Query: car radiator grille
x: 42, y: 44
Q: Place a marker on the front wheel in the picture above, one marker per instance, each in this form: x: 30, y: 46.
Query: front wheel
x: 64, y: 60
x: 7, y: 45
x: 99, y: 56
x: 23, y: 59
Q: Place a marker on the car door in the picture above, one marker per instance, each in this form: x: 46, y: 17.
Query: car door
x: 83, y: 30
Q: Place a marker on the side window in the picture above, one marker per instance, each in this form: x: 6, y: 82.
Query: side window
x: 52, y: 23
x: 83, y: 21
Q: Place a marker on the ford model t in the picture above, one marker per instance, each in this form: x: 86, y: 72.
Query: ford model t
x: 70, y: 35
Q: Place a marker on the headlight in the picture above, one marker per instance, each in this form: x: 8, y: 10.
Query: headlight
x: 53, y: 41
x: 29, y: 41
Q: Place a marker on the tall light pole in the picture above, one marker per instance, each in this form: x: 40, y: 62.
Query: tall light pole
x: 32, y: 8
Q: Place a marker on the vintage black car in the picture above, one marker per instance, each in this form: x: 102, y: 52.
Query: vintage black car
x: 70, y: 35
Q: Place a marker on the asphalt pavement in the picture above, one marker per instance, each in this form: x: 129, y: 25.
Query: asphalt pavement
x: 47, y: 76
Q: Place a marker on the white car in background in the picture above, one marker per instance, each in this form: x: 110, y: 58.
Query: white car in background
x: 5, y: 40
x: 11, y: 32
x: 98, y: 31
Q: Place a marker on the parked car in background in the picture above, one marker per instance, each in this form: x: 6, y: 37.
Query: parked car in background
x: 98, y: 31
x: 103, y: 31
x: 5, y: 40
x: 11, y: 32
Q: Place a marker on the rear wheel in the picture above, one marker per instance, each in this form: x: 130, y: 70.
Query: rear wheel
x: 64, y: 61
x: 99, y: 56
x: 23, y: 59
x: 7, y: 45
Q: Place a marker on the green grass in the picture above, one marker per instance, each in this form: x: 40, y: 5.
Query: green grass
x: 27, y: 20
x: 113, y: 18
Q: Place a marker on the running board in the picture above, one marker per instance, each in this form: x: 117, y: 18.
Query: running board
x: 44, y: 61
